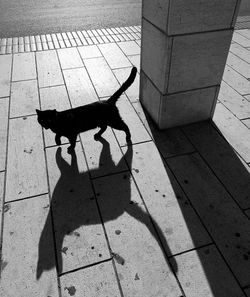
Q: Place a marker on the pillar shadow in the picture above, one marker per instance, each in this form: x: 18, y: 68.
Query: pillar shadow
x: 73, y: 206
x: 221, y: 161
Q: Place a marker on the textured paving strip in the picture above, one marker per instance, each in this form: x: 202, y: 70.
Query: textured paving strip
x: 54, y: 98
x: 69, y: 58
x: 223, y: 160
x: 80, y: 239
x: 236, y: 81
x: 235, y: 102
x: 24, y: 98
x: 227, y: 224
x: 5, y: 73
x: 103, y: 157
x: 98, y: 281
x: 137, y: 129
x: 79, y: 86
x: 141, y: 266
x: 24, y: 273
x: 236, y: 133
x: 68, y: 39
x: 48, y: 68
x: 102, y: 77
x: 24, y: 67
x: 4, y: 108
x: 26, y: 174
x: 114, y: 55
x: 133, y: 91
x: 204, y: 273
x: 178, y: 225
x: 242, y: 25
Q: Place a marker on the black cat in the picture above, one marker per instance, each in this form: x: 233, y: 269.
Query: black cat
x: 71, y: 122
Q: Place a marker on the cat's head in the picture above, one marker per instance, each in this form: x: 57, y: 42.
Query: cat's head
x: 46, y: 118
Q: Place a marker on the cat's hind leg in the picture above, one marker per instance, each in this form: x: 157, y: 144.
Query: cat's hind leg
x: 72, y: 140
x: 58, y: 139
x: 120, y: 125
x: 99, y: 133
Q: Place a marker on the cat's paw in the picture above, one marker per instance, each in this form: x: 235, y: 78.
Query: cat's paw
x: 97, y: 136
x: 70, y: 150
x: 128, y: 139
x: 58, y: 141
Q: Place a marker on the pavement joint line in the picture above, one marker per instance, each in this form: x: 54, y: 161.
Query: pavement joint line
x: 181, y: 154
x: 139, y: 142
x: 62, y: 144
x: 234, y: 88
x: 193, y: 249
x: 237, y: 70
x: 34, y: 43
x: 47, y: 87
x: 26, y: 198
x: 239, y: 58
x: 21, y: 80
x: 22, y: 116
x: 71, y: 68
x: 85, y: 267
x: 5, y: 165
x: 109, y: 174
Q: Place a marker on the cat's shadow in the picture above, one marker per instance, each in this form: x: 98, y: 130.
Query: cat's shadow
x: 73, y: 205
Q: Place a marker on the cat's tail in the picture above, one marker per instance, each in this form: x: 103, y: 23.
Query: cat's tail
x: 124, y: 86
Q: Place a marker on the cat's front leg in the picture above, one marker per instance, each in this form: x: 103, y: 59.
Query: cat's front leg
x: 72, y: 140
x: 58, y: 139
x: 99, y: 134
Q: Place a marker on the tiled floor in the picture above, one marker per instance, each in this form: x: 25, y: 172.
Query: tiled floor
x: 167, y: 216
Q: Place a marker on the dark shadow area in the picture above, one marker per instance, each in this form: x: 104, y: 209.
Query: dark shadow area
x: 74, y: 205
x: 216, y: 183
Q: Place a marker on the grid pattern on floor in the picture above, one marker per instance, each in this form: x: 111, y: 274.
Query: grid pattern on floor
x: 243, y: 22
x: 186, y: 186
x: 68, y: 39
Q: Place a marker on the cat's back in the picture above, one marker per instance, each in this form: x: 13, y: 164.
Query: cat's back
x: 94, y: 113
x: 94, y: 108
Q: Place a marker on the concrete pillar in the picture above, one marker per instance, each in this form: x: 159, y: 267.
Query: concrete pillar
x: 184, y: 50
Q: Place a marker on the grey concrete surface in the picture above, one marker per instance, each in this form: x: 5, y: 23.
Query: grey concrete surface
x: 31, y: 17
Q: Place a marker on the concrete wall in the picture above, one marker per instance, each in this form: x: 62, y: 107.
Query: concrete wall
x: 184, y: 50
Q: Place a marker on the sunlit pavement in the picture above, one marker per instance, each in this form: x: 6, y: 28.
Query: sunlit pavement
x: 165, y: 216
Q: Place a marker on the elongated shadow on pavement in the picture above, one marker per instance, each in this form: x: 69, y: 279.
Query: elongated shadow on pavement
x: 216, y: 183
x: 73, y: 205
